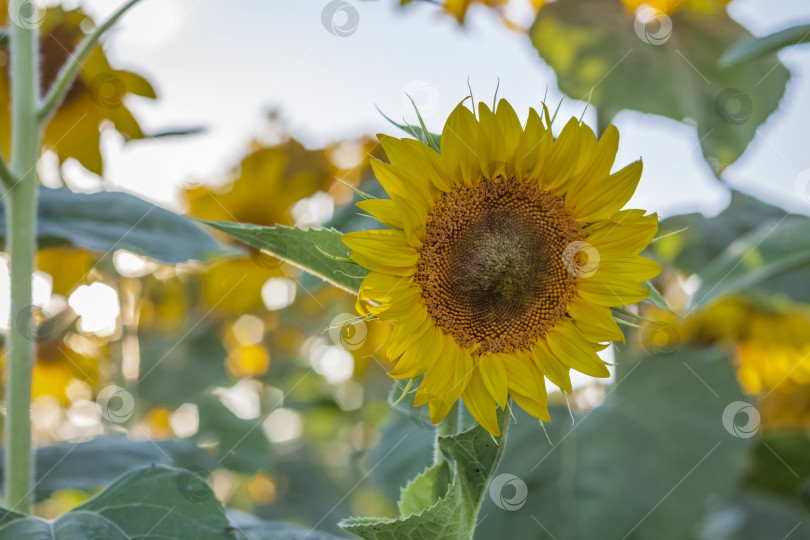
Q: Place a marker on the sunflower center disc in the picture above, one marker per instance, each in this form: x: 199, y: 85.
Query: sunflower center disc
x: 491, y: 266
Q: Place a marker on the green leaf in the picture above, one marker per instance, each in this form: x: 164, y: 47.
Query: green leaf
x: 198, y: 360
x: 757, y: 517
x: 419, y: 133
x: 669, y: 70
x: 655, y: 297
x: 702, y: 239
x: 240, y: 444
x: 249, y: 527
x: 312, y: 250
x: 781, y: 465
x: 647, y: 463
x: 760, y: 255
x: 431, y: 508
x: 155, y: 503
x: 111, y: 220
x: 752, y: 49
x: 92, y: 464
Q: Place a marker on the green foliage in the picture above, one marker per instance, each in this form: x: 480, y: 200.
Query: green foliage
x: 702, y: 239
x: 430, y: 506
x: 240, y: 444
x: 155, y: 503
x: 752, y: 49
x: 92, y: 464
x: 596, y: 51
x: 252, y: 528
x: 750, y: 247
x: 770, y: 250
x: 198, y: 360
x: 754, y: 517
x: 109, y: 220
x: 320, y: 252
x: 641, y: 465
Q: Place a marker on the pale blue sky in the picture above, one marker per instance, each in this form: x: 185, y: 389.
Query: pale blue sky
x: 222, y: 64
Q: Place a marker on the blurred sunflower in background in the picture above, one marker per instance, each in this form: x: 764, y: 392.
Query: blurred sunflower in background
x: 95, y: 100
x: 504, y: 254
x: 770, y: 344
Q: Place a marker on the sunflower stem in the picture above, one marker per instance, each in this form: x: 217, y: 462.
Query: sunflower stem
x: 21, y: 227
x: 69, y: 72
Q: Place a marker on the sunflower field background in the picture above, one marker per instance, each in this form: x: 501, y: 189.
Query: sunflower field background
x: 204, y: 367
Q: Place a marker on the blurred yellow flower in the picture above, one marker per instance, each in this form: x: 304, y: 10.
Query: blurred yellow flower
x: 770, y: 347
x: 247, y: 360
x: 69, y: 267
x: 157, y: 423
x: 95, y: 98
x: 56, y: 365
x: 671, y: 6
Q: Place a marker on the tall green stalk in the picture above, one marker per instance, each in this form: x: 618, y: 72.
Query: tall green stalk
x: 21, y: 205
x: 28, y: 116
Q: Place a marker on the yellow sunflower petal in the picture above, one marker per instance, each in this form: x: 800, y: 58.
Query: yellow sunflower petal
x: 493, y: 373
x: 526, y: 386
x: 415, y: 162
x: 405, y: 333
x: 382, y: 250
x: 533, y: 148
x: 594, y: 322
x: 480, y: 404
x: 563, y: 159
x: 554, y: 370
x: 624, y: 268
x: 627, y: 232
x: 500, y: 135
x: 607, y: 197
x: 415, y: 360
x: 384, y: 210
x: 612, y: 294
x: 595, y: 166
x: 460, y: 146
x: 573, y: 350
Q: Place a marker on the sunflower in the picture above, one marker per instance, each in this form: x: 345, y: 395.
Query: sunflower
x: 503, y: 256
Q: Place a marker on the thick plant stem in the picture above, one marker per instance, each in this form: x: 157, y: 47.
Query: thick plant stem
x: 21, y: 205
